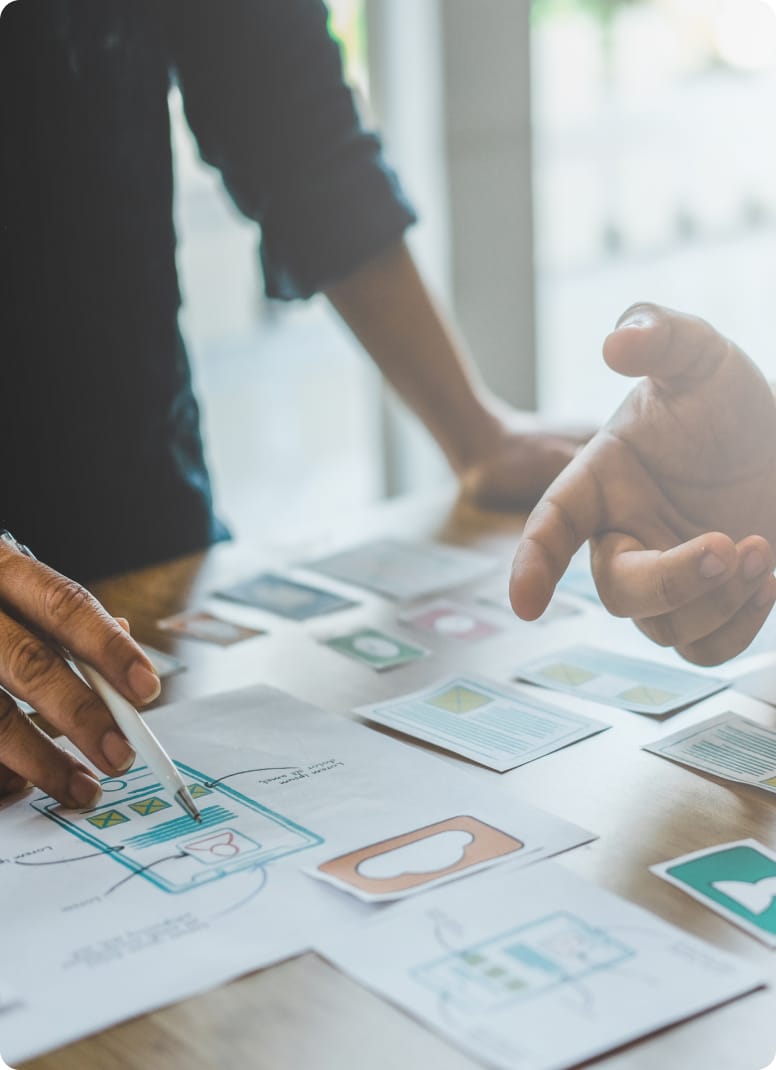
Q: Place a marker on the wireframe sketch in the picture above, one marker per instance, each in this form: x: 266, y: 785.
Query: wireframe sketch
x: 558, y: 949
x: 140, y: 827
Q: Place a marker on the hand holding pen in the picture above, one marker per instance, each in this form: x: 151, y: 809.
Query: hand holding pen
x: 36, y: 601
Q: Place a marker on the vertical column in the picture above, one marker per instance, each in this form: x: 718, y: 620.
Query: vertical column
x: 486, y: 65
x: 406, y: 89
x: 450, y: 87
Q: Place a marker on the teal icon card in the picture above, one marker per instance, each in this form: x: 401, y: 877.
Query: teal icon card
x: 736, y: 880
x: 376, y: 649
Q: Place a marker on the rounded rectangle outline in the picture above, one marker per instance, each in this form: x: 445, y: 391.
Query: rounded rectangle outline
x: 344, y: 868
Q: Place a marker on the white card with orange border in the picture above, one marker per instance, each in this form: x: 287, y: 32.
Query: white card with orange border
x: 422, y: 858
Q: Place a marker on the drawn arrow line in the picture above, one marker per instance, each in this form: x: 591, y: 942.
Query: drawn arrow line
x: 247, y: 899
x: 80, y: 858
x: 144, y: 869
x: 266, y: 769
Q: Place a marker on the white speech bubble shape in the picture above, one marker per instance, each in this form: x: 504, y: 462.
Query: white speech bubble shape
x: 429, y: 855
x: 375, y: 646
x: 455, y: 624
x: 755, y: 897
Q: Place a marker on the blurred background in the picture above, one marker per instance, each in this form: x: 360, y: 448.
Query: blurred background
x: 567, y: 157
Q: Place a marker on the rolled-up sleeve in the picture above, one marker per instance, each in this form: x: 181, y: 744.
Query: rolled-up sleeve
x: 264, y: 94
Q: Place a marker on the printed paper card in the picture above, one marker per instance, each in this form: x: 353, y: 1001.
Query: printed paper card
x: 207, y: 628
x: 618, y: 680
x: 420, y: 859
x: 728, y: 746
x: 285, y: 597
x: 492, y: 724
x: 404, y: 570
x: 736, y: 880
x: 375, y: 649
x: 451, y: 621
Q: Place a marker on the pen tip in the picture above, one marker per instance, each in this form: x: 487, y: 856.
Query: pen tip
x: 188, y: 804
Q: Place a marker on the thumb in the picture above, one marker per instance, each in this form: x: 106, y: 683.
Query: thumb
x: 569, y: 513
x: 665, y: 345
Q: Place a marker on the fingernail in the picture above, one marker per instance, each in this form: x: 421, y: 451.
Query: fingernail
x: 145, y: 684
x: 117, y: 751
x: 84, y: 790
x: 635, y: 317
x: 712, y: 566
x: 754, y: 564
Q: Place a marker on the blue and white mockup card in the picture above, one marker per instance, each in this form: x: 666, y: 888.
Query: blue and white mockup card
x: 618, y: 680
x: 404, y: 570
x: 285, y: 597
x: 495, y: 725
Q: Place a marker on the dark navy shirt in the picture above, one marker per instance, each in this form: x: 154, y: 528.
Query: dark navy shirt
x: 101, y: 463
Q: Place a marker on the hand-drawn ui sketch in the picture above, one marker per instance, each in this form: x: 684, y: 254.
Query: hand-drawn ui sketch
x: 523, y: 962
x: 538, y: 970
x: 135, y: 820
x: 129, y: 906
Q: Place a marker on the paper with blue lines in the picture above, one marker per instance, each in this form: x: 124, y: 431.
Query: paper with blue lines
x: 132, y: 905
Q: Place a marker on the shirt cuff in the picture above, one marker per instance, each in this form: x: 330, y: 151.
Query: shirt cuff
x: 309, y: 244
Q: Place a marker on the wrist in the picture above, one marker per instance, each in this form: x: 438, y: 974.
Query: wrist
x: 478, y: 434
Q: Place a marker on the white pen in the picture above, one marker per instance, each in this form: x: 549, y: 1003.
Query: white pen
x: 140, y: 736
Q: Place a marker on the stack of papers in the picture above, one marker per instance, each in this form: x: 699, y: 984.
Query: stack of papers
x: 132, y: 905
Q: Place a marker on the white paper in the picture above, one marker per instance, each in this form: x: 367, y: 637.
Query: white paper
x: 537, y: 970
x: 728, y: 746
x: 496, y: 725
x: 404, y: 570
x: 95, y: 934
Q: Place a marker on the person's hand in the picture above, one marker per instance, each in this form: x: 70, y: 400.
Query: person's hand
x: 677, y: 494
x: 519, y: 460
x: 35, y: 603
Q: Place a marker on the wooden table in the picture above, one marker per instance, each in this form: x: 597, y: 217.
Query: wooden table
x: 303, y: 1014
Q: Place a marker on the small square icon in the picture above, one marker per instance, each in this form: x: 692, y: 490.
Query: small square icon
x: 198, y: 790
x: 571, y: 675
x: 648, y: 696
x: 459, y: 699
x: 107, y: 819
x: 146, y: 807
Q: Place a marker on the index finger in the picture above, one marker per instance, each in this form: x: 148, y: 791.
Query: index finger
x: 568, y: 514
x: 66, y: 611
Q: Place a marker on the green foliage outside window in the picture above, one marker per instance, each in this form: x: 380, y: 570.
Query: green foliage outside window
x: 347, y: 24
x: 605, y: 10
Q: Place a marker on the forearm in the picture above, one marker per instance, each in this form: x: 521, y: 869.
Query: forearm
x: 387, y: 306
